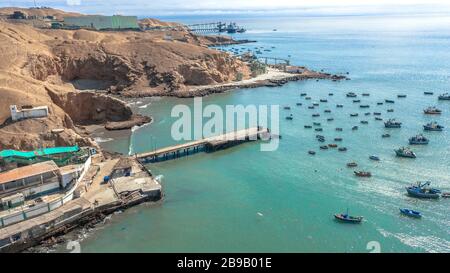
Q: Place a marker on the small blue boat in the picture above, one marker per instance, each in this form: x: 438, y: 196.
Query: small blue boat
x: 411, y: 213
x: 374, y: 157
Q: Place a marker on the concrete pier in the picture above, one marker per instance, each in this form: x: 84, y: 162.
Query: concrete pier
x: 209, y: 144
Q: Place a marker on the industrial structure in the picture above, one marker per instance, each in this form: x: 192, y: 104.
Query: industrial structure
x: 97, y: 22
x: 28, y: 112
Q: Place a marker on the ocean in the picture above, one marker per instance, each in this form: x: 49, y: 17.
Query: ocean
x: 245, y: 200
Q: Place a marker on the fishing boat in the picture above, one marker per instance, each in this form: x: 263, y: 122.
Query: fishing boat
x: 330, y: 94
x: 418, y: 140
x: 379, y: 103
x: 303, y: 94
x: 354, y: 115
x: 432, y: 111
x: 345, y: 218
x: 299, y: 104
x: 363, y: 174
x: 311, y: 152
x: 339, y: 106
x: 411, y: 213
x: 445, y: 195
x: 342, y: 149
x: 330, y: 119
x: 364, y: 106
x: 308, y: 98
x: 327, y: 111
x: 315, y: 115
x: 365, y: 94
x: 376, y: 113
x: 319, y: 136
x: 287, y: 108
x: 366, y: 114
x: 351, y: 95
x: 428, y: 93
x: 338, y: 139
x: 332, y: 145
x: 374, y: 158
x: 433, y: 126
x: 289, y: 117
x: 423, y: 191
x: 323, y: 100
x: 315, y: 104
x: 364, y: 122
x: 339, y: 129
x: 352, y: 165
x: 392, y: 123
x: 317, y: 123
x: 355, y: 128
x: 390, y: 110
x: 356, y: 101
x: 310, y: 107
x: 389, y: 101
x: 386, y: 135
x: 377, y: 118
x: 401, y: 96
x: 318, y: 129
x: 308, y: 126
x: 321, y: 139
x: 444, y: 96
x: 405, y: 152
x: 324, y: 147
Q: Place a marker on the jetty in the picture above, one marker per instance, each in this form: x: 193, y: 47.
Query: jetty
x: 209, y: 144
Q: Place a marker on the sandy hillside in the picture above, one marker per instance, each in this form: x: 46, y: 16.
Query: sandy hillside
x: 50, y: 67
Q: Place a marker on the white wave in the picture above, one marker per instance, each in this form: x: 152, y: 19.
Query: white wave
x: 159, y: 178
x: 431, y: 244
x: 144, y: 106
x: 102, y: 140
x: 133, y: 130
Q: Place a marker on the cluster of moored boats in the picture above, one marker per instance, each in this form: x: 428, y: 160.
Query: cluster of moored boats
x: 419, y: 190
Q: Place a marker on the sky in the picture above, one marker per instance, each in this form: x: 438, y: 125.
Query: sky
x: 162, y: 7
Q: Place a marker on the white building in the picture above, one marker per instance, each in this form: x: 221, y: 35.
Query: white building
x: 24, y: 113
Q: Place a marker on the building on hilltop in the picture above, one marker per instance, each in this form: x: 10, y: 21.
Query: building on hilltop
x: 97, y: 22
x: 28, y: 112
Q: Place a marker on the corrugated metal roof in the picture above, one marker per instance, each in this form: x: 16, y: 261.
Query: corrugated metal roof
x: 40, y: 152
x: 103, y: 22
x: 27, y: 171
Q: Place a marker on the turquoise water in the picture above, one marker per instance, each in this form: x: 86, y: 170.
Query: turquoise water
x: 244, y: 200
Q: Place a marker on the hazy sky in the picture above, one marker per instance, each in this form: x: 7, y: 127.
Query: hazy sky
x: 141, y: 7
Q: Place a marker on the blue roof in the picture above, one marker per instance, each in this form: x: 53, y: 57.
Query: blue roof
x: 39, y: 152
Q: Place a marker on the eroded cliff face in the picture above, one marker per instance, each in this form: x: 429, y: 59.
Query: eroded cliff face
x: 47, y: 67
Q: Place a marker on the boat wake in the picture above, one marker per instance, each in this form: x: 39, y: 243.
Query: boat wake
x: 429, y: 243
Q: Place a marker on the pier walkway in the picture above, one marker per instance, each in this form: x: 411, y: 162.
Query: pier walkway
x: 209, y: 144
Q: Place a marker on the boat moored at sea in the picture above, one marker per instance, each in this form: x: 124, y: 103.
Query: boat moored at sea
x: 374, y: 158
x: 401, y: 96
x: 315, y: 115
x: 444, y: 96
x: 351, y: 95
x: 378, y: 118
x: 318, y: 129
x: 364, y: 106
x: 411, y: 213
x: 324, y: 147
x: 363, y: 174
x: 432, y: 111
x: 290, y: 117
x: 356, y: 101
x: 352, y: 165
x: 339, y: 105
x: 386, y: 136
x: 418, y: 140
x: 428, y: 93
x: 308, y: 126
x: 327, y: 111
x: 389, y: 101
x: 339, y: 129
x: 392, y: 123
x: 390, y: 110
x: 354, y: 128
x: 332, y: 145
x: 423, y: 191
x: 342, y: 149
x: 323, y: 100
x: 311, y: 152
x: 337, y: 139
x: 405, y: 152
x: 345, y: 218
x: 354, y: 115
x: 364, y: 122
x: 433, y: 126
x: 299, y: 104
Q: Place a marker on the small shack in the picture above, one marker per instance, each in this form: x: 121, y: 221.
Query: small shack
x: 122, y: 168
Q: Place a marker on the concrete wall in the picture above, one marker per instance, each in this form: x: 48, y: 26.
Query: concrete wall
x: 28, y: 113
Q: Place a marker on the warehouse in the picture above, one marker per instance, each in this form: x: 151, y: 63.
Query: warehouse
x: 97, y: 22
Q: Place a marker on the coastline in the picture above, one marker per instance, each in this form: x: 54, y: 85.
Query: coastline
x: 273, y: 78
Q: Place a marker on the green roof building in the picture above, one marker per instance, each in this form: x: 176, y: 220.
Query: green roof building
x: 97, y: 22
